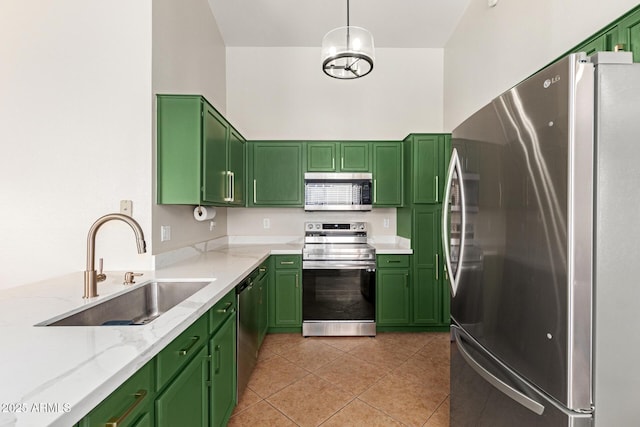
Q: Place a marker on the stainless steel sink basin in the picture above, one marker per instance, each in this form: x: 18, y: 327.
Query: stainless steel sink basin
x: 137, y: 307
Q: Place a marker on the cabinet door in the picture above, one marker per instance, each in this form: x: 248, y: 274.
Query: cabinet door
x: 354, y: 156
x: 604, y: 41
x: 427, y: 259
x: 387, y: 174
x: 629, y: 34
x: 277, y: 174
x: 287, y: 298
x: 236, y: 147
x: 321, y: 157
x: 222, y: 348
x: 428, y: 151
x: 185, y: 400
x: 392, y: 299
x: 215, y: 186
x: 131, y: 404
x: 179, y: 149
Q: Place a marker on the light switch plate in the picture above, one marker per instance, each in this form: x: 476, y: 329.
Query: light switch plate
x: 126, y: 207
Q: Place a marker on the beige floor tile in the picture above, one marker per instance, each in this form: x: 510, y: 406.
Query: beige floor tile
x: 273, y: 375
x: 350, y: 373
x: 384, y: 355
x: 411, y: 341
x: 359, y: 414
x: 342, y: 343
x: 311, y: 355
x: 440, y: 418
x: 265, y: 354
x: 248, y: 399
x: 426, y: 373
x: 260, y: 414
x: 277, y: 343
x: 310, y: 400
x: 408, y: 402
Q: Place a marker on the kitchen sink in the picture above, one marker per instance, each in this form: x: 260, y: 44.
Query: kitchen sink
x: 136, y: 307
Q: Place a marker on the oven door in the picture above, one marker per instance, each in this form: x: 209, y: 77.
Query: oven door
x: 339, y: 301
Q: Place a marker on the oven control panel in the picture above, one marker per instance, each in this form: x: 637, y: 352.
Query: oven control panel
x: 337, y: 227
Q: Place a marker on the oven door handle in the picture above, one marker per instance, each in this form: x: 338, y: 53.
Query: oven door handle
x: 314, y: 265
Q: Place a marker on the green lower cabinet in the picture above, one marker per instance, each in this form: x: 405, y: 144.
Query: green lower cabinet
x: 185, y: 401
x: 392, y: 296
x: 222, y: 348
x: 130, y: 405
x: 285, y: 294
x: 426, y: 297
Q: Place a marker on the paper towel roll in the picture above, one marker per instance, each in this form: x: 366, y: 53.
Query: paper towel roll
x: 204, y: 213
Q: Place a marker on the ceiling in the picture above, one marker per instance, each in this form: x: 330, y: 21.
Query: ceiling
x: 303, y: 23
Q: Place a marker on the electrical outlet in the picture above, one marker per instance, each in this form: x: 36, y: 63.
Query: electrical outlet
x: 385, y: 223
x: 266, y: 223
x: 212, y: 225
x: 165, y: 233
x: 126, y: 207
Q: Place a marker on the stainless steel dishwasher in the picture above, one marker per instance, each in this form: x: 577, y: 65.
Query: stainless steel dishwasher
x: 248, y: 340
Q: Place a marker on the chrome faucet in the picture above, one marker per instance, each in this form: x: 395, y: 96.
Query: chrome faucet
x: 90, y: 276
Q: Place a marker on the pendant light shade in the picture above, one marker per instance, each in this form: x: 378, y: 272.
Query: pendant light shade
x: 347, y: 52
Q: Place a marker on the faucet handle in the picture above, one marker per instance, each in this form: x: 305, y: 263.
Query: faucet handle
x: 100, y: 277
x: 129, y: 277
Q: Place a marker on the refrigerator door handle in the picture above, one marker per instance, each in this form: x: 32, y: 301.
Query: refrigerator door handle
x: 454, y: 276
x: 512, y: 393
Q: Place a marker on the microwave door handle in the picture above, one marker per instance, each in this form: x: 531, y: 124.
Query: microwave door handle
x: 454, y: 163
x: 511, y: 392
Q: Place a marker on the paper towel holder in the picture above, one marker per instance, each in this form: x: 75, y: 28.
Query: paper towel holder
x: 204, y: 213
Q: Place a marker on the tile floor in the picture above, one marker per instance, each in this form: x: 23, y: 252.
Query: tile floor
x: 394, y: 379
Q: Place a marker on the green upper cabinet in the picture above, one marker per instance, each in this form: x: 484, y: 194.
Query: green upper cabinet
x: 425, y: 158
x: 387, y: 174
x: 338, y: 156
x: 354, y: 156
x: 200, y: 156
x: 629, y: 34
x: 276, y: 177
x: 623, y: 34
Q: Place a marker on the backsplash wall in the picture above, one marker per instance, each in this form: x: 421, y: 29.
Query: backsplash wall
x: 290, y: 221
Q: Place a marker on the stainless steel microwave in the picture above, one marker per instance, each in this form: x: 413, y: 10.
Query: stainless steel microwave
x: 337, y: 191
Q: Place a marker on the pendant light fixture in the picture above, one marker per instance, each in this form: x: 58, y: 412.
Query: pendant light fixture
x: 347, y: 52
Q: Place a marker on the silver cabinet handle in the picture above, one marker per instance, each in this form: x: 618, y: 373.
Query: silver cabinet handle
x: 454, y: 166
x: 437, y: 189
x: 254, y: 191
x: 333, y: 163
x: 226, y: 308
x: 436, y: 268
x: 286, y: 262
x: 512, y: 393
x: 232, y: 190
x: 341, y: 162
x: 375, y: 191
x: 296, y: 280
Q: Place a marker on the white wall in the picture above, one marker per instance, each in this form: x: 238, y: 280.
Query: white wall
x: 188, y: 58
x: 493, y: 49
x: 282, y: 93
x: 75, y: 129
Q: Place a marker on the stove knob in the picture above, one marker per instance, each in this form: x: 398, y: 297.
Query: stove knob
x: 310, y: 226
x: 353, y: 226
x: 361, y: 226
x: 317, y: 226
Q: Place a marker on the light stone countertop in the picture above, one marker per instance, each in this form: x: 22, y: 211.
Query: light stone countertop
x: 53, y: 376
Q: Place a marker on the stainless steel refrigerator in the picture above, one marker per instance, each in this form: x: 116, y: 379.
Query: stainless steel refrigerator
x: 541, y: 245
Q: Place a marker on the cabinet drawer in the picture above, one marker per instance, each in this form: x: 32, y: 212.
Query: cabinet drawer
x: 288, y: 261
x: 179, y: 351
x: 386, y: 261
x: 128, y: 404
x: 223, y: 309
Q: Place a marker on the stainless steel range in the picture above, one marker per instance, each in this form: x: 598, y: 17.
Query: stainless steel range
x: 338, y: 280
